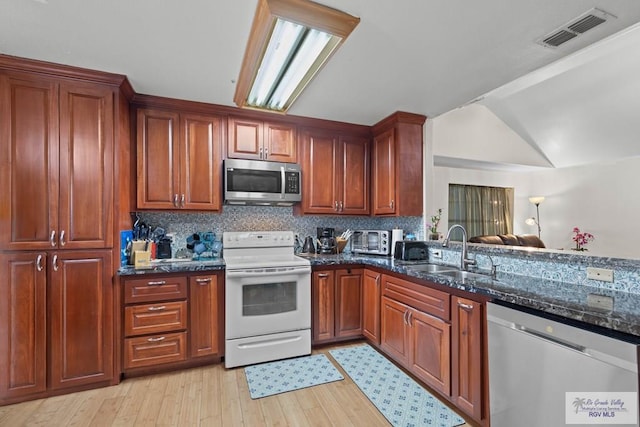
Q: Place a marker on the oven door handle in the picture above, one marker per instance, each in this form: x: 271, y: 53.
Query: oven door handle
x: 268, y: 272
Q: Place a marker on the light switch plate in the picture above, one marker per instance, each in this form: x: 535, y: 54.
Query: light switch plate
x: 602, y: 274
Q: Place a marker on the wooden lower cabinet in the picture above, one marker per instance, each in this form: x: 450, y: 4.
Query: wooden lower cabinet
x: 371, y: 306
x: 418, y: 341
x: 336, y: 304
x: 56, y: 322
x: 171, y: 320
x: 205, y: 303
x: 439, y: 338
x: 467, y: 356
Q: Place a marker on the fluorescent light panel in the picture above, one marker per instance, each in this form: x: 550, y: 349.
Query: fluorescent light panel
x: 302, y: 36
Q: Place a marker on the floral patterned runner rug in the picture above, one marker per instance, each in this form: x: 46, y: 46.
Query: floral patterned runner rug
x: 398, y: 397
x: 267, y: 379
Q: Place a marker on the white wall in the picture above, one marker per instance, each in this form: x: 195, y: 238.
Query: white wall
x: 602, y: 199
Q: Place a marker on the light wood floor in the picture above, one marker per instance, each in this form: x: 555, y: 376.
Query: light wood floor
x: 206, y: 396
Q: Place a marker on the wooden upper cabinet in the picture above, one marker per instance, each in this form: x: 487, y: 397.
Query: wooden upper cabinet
x: 384, y: 179
x: 200, y: 172
x: 397, y: 165
x: 178, y: 160
x: 335, y: 173
x: 261, y: 140
x: 86, y: 166
x: 56, y: 152
x: 158, y: 154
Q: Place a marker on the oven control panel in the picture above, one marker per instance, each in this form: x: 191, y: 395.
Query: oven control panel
x: 257, y: 239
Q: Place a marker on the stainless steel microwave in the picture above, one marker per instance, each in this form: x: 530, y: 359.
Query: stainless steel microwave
x: 257, y: 182
x: 374, y: 242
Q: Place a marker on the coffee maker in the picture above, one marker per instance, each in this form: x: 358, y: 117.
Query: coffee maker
x: 326, y: 240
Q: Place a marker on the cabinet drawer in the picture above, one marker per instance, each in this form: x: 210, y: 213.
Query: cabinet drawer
x: 154, y: 318
x: 155, y: 288
x: 418, y: 296
x: 155, y: 350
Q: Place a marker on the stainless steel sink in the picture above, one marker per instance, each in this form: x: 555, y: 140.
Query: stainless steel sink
x: 464, y: 275
x: 432, y: 268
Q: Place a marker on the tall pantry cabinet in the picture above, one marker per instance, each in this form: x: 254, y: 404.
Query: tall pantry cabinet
x: 58, y: 139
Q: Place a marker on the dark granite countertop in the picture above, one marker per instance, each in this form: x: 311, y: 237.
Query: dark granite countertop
x: 174, y: 266
x: 563, y: 299
x: 559, y: 298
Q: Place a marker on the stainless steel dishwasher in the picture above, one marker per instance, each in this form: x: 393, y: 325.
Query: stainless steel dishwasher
x: 534, y: 361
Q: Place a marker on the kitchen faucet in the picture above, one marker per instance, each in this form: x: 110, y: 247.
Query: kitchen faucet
x: 464, y: 261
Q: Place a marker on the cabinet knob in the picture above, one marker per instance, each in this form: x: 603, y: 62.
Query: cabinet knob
x: 266, y: 153
x: 39, y: 263
x: 156, y: 339
x: 323, y: 275
x: 157, y: 308
x: 392, y: 204
x: 62, y: 241
x: 202, y: 281
x: 182, y: 201
x: 341, y: 206
x: 52, y: 238
x: 335, y: 206
x: 175, y: 200
x: 157, y: 283
x: 261, y: 153
x: 55, y: 263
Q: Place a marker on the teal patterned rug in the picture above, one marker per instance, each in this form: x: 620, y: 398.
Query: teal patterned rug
x: 271, y: 378
x: 399, y: 398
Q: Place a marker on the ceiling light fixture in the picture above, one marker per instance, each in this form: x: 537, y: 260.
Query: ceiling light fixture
x: 290, y: 41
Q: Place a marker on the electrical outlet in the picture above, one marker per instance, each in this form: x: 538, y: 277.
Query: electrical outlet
x: 436, y: 253
x: 600, y: 301
x: 602, y: 274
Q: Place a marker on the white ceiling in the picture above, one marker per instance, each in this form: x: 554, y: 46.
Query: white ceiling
x: 422, y: 56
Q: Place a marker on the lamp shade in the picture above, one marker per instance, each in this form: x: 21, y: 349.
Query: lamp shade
x: 536, y: 200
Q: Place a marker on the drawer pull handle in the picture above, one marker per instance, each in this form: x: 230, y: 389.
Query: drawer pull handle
x: 157, y: 283
x: 323, y: 275
x: 159, y: 308
x: 465, y: 306
x: 39, y: 263
x: 207, y: 280
x: 156, y: 339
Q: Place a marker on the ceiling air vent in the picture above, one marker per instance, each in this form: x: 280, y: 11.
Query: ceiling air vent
x: 575, y: 28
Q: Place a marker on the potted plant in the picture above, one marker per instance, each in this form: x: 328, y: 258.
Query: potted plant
x: 433, y: 227
x: 581, y: 238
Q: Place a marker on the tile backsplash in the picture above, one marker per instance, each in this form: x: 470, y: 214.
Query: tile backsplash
x: 259, y: 218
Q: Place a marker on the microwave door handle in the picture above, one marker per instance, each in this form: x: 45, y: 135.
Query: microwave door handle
x: 284, y: 182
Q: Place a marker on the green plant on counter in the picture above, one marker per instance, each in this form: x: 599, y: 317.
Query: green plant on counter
x: 435, y: 220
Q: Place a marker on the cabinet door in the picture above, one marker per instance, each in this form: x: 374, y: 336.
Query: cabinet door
x: 200, y: 160
x: 371, y: 306
x: 86, y: 167
x: 384, y: 174
x: 467, y: 358
x: 280, y: 142
x: 354, y: 184
x: 81, y: 318
x: 23, y: 336
x: 320, y: 174
x: 205, y: 305
x: 394, y: 331
x: 29, y: 159
x: 158, y: 164
x: 245, y: 139
x: 323, y: 305
x: 430, y: 358
x: 348, y: 294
